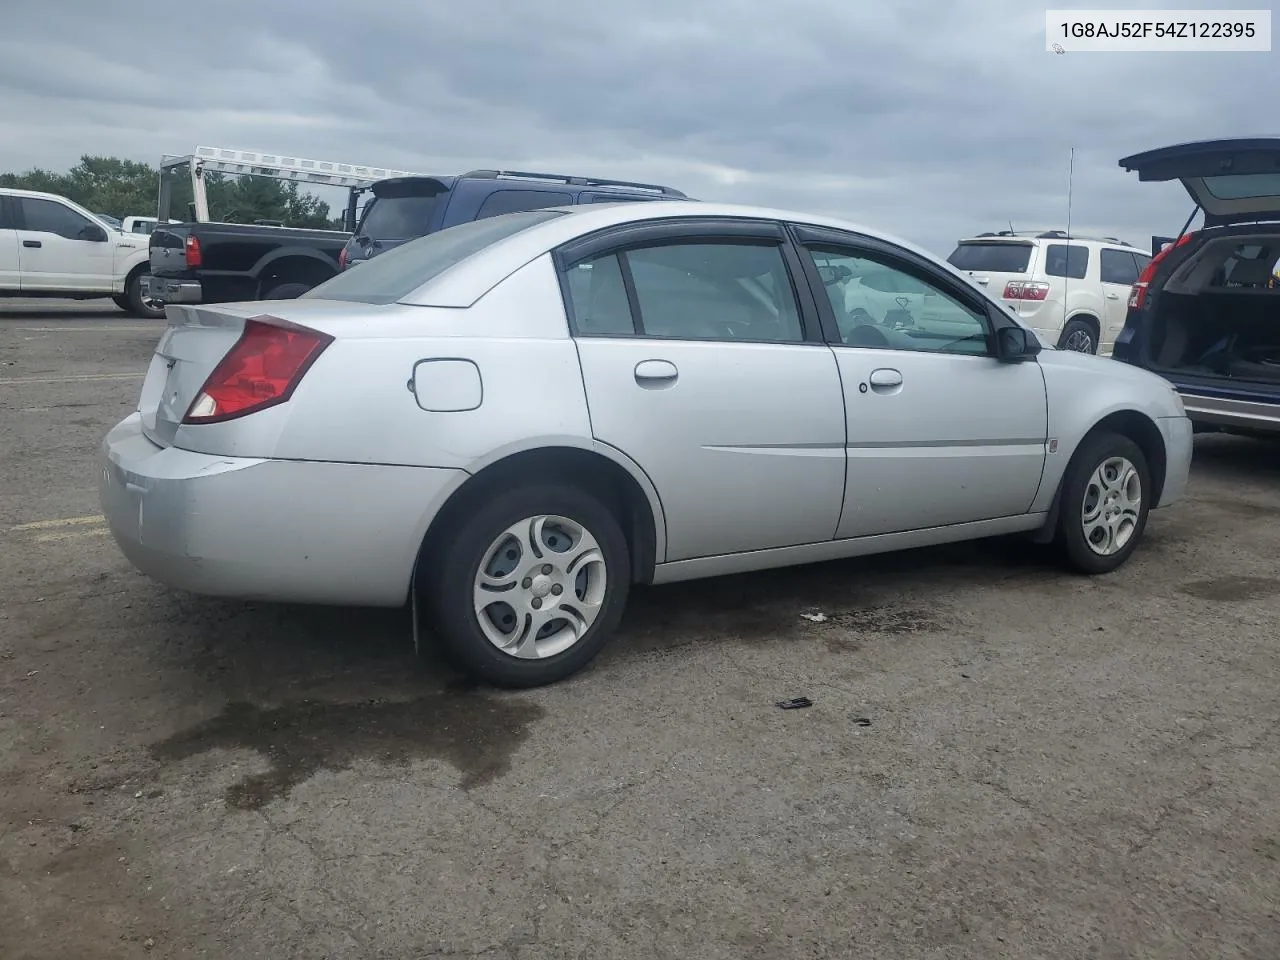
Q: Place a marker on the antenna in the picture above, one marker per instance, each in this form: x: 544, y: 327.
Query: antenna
x: 1011, y: 230
x: 1071, y: 173
x: 1066, y: 267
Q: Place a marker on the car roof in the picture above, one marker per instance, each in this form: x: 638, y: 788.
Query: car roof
x: 463, y: 284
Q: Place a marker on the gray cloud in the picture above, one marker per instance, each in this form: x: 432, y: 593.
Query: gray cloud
x: 931, y: 120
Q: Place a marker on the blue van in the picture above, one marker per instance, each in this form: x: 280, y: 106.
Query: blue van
x: 405, y: 208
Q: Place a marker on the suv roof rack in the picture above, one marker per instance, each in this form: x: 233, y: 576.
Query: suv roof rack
x: 572, y: 181
x: 1053, y: 235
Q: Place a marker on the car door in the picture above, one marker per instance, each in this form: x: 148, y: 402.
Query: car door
x: 1119, y: 271
x: 60, y: 248
x: 9, y: 273
x: 701, y: 365
x: 939, y: 431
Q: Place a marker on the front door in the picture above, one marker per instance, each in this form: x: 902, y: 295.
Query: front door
x: 698, y: 366
x: 54, y: 253
x: 940, y: 432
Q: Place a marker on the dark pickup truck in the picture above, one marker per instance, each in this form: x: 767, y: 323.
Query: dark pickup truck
x: 222, y: 262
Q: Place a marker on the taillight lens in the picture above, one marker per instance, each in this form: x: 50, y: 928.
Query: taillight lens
x: 261, y: 370
x: 1138, y: 293
x: 342, y: 259
x: 1026, y: 290
x: 192, y: 250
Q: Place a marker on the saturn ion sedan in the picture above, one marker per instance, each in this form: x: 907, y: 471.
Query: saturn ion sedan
x: 509, y: 423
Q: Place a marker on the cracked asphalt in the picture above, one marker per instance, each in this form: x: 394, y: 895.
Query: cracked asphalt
x: 1054, y: 767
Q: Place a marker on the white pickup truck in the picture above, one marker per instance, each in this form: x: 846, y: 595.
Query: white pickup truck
x: 52, y: 247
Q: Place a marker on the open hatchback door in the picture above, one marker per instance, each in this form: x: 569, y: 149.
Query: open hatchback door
x: 1232, y: 181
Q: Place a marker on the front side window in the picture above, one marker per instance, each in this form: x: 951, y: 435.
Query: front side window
x: 1066, y: 260
x: 721, y: 290
x: 878, y: 304
x: 48, y: 216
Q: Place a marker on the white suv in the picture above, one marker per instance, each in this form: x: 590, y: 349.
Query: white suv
x: 52, y: 247
x: 1073, y: 291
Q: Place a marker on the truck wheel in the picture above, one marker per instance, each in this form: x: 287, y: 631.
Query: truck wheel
x: 136, y: 304
x: 121, y: 301
x: 286, y: 291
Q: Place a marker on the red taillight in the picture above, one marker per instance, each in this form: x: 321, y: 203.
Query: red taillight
x: 342, y: 259
x: 192, y: 250
x: 262, y: 369
x: 1025, y: 290
x: 1138, y: 293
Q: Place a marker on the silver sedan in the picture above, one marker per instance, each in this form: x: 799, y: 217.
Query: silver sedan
x: 510, y: 422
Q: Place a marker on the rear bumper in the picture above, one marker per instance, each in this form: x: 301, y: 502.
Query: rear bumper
x: 1178, y: 446
x: 171, y: 291
x: 278, y: 530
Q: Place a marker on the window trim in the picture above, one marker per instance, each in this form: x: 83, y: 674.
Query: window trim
x: 896, y: 258
x: 619, y: 239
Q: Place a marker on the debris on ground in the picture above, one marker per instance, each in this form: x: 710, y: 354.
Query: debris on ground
x: 795, y: 703
x: 815, y: 617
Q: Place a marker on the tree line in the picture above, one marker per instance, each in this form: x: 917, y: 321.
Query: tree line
x: 124, y: 188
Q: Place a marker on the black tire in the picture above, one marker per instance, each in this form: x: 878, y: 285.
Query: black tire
x: 1078, y: 328
x: 451, y: 572
x: 122, y: 301
x: 286, y: 291
x: 133, y: 297
x: 1071, y: 540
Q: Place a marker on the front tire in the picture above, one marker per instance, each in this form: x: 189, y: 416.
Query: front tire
x: 528, y: 589
x: 1106, y: 497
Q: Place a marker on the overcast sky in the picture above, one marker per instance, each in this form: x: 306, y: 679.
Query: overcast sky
x: 933, y: 120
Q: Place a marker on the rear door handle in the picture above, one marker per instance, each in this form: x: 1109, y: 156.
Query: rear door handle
x: 1113, y: 296
x: 885, y: 378
x: 656, y: 373
x: 31, y: 243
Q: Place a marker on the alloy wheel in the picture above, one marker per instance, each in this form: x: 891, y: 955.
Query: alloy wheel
x: 1112, y: 506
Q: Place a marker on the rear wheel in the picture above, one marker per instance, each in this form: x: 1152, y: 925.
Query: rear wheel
x: 1106, y: 496
x: 286, y: 291
x: 528, y: 589
x: 1078, y: 335
x: 136, y: 303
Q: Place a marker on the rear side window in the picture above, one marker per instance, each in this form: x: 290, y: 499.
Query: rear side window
x: 1118, y: 266
x: 515, y: 201
x: 398, y: 272
x: 991, y: 257
x: 1066, y: 260
x: 398, y: 218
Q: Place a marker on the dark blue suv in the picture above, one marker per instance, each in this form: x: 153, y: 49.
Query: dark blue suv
x: 405, y: 208
x: 1205, y: 313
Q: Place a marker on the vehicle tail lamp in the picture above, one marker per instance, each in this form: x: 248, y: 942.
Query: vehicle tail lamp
x: 263, y: 369
x: 192, y: 250
x: 1138, y: 293
x: 1026, y: 290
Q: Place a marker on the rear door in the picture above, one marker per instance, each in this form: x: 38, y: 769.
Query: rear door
x: 1119, y: 272
x: 701, y: 365
x: 1232, y: 181
x: 61, y: 249
x: 10, y: 275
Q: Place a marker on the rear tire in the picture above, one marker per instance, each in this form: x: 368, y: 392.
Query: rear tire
x: 121, y: 301
x: 1079, y: 336
x: 286, y: 291
x: 136, y: 304
x: 1106, y: 497
x: 497, y: 575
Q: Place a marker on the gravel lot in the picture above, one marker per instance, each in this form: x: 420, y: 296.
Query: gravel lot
x: 1053, y: 767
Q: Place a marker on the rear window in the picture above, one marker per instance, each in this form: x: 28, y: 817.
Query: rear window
x: 398, y: 218
x: 393, y: 275
x: 991, y: 257
x: 1243, y: 186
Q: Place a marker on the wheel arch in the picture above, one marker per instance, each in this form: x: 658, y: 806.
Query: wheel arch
x: 293, y: 264
x: 609, y: 474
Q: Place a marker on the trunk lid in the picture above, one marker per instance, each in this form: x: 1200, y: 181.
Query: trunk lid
x: 1232, y: 181
x: 193, y: 343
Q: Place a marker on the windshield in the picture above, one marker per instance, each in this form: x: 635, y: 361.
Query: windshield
x: 398, y: 272
x: 994, y: 257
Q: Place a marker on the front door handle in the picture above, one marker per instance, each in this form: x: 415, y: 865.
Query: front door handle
x: 885, y: 378
x: 31, y: 243
x: 656, y: 373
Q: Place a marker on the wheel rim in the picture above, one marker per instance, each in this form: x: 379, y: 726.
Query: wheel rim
x: 1112, y: 504
x: 1080, y: 341
x: 150, y: 303
x: 540, y: 587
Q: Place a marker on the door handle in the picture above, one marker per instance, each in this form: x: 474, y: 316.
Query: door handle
x: 31, y: 243
x: 656, y: 373
x: 885, y: 378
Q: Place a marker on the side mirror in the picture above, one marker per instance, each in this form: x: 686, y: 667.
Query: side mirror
x: 93, y: 233
x: 1014, y: 344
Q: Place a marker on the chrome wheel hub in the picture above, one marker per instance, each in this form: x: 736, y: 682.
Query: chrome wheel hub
x: 1080, y: 341
x: 540, y: 587
x: 1112, y: 504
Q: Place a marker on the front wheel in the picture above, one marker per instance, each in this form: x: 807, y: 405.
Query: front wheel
x: 527, y: 590
x: 1106, y: 496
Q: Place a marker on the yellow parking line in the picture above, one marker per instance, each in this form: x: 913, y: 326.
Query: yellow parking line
x: 81, y: 378
x: 62, y: 522
x: 71, y: 535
